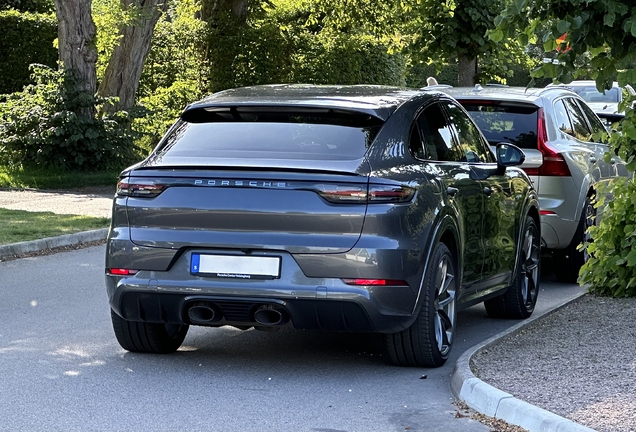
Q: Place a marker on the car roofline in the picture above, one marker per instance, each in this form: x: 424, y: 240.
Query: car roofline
x: 376, y: 101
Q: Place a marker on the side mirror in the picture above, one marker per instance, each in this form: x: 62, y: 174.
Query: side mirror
x: 509, y: 155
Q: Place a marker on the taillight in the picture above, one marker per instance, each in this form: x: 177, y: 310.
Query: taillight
x: 385, y: 282
x: 121, y: 272
x: 554, y: 163
x: 357, y: 194
x: 140, y: 187
x: 393, y: 194
x: 342, y: 193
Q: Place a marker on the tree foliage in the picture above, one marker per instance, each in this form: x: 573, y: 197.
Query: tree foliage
x: 33, y: 6
x: 601, y: 41
x: 39, y: 127
x: 453, y: 33
x: 25, y: 38
x: 319, y: 41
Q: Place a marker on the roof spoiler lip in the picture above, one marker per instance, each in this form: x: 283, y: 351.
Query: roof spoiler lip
x: 380, y: 113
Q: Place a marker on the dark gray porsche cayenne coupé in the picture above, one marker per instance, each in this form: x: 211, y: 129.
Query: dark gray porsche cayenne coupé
x: 348, y: 209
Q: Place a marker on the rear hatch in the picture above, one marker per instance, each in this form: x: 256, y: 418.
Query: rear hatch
x: 513, y: 122
x: 271, y: 178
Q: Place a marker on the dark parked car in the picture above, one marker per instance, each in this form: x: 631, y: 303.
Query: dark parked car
x: 351, y: 209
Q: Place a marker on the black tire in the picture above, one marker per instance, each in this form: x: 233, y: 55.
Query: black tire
x: 520, y: 298
x: 148, y: 337
x: 428, y: 341
x: 568, y: 261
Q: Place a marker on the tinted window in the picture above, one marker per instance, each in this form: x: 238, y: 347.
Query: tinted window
x: 577, y: 118
x: 597, y: 127
x: 415, y: 144
x: 436, y: 135
x: 258, y: 135
x: 562, y: 118
x: 471, y: 143
x: 505, y: 123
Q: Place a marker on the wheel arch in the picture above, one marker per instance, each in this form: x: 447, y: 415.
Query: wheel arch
x: 446, y: 232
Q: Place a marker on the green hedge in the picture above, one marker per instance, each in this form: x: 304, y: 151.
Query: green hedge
x: 348, y: 59
x: 41, y: 6
x: 25, y: 38
x: 252, y: 55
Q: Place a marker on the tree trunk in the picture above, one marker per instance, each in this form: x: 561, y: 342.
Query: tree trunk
x: 76, y: 41
x: 125, y: 66
x: 466, y: 71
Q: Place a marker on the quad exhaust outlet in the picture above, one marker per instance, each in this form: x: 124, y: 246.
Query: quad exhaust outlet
x: 271, y: 315
x: 203, y: 313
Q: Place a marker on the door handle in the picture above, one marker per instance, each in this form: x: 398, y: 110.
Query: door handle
x: 451, y: 191
x: 487, y: 191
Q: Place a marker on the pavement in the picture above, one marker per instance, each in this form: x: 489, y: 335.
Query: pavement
x: 477, y: 394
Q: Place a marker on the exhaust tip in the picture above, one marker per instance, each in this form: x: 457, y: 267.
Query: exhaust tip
x: 271, y: 315
x: 203, y: 313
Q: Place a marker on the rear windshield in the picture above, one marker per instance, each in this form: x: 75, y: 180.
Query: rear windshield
x: 506, y: 123
x: 279, y: 134
x: 590, y: 94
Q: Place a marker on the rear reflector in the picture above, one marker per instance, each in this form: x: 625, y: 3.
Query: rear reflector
x: 121, y: 272
x: 386, y: 282
x: 546, y: 212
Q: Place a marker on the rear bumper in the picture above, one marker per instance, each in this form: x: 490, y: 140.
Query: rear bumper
x: 325, y: 303
x: 557, y: 233
x: 324, y: 314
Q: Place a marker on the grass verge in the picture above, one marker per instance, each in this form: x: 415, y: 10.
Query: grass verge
x: 20, y: 225
x: 50, y: 179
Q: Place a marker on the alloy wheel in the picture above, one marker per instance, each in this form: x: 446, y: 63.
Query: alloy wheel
x: 530, y: 266
x: 445, y: 313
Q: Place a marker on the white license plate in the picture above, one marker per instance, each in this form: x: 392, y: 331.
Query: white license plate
x: 233, y: 266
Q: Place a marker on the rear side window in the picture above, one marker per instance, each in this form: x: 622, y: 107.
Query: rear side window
x: 598, y: 129
x: 273, y: 134
x: 562, y: 118
x: 435, y: 135
x: 579, y: 125
x: 470, y: 140
x: 506, y: 123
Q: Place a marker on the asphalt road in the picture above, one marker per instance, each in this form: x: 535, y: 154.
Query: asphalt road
x: 61, y: 368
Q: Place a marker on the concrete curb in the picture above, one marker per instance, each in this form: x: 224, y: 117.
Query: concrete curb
x: 52, y: 242
x: 493, y: 402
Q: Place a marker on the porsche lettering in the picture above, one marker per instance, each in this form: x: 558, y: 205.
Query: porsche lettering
x: 249, y: 183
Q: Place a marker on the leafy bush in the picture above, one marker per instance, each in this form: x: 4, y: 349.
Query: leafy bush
x: 40, y: 6
x: 40, y: 127
x: 611, y: 269
x: 25, y: 38
x: 418, y: 72
x: 163, y: 108
x: 287, y: 43
x: 346, y: 59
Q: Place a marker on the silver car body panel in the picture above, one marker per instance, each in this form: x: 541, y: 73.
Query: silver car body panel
x: 561, y: 199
